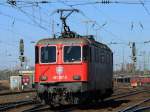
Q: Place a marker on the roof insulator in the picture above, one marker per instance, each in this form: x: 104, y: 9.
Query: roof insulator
x: 44, y: 1
x: 12, y: 2
x: 105, y: 1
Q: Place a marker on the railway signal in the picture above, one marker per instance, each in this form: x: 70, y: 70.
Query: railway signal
x: 21, y: 47
x: 21, y: 52
x: 134, y: 52
x: 133, y: 56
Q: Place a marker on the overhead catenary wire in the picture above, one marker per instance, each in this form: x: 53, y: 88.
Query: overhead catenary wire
x: 36, y: 23
x: 70, y: 5
x: 2, y: 27
x: 18, y: 8
x: 21, y: 2
x: 146, y: 9
x: 73, y: 3
x: 109, y: 2
x: 107, y: 16
x: 33, y: 19
x: 19, y: 19
x: 67, y: 3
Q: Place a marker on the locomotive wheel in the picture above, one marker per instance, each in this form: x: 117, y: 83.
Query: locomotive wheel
x: 79, y: 100
x: 102, y: 99
x: 76, y: 100
x: 39, y: 97
x: 55, y: 101
x: 54, y: 105
x: 40, y: 100
x: 96, y: 100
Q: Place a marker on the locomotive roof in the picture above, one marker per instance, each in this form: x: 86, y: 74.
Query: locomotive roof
x: 80, y: 40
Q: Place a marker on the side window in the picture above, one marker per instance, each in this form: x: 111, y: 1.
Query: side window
x: 36, y: 54
x: 95, y: 52
x: 111, y: 58
x: 86, y: 53
x: 96, y: 55
x: 107, y: 58
x: 90, y: 54
x: 102, y: 57
x: 99, y: 56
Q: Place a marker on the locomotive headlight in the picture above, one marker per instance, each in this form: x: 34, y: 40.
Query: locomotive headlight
x: 76, y: 77
x: 43, y: 78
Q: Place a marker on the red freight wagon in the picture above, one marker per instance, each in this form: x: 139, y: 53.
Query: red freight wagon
x: 145, y: 80
x: 138, y: 81
x: 134, y: 82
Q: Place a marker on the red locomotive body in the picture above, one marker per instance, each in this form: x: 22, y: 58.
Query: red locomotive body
x: 70, y: 68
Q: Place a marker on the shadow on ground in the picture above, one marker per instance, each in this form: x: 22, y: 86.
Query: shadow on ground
x: 108, y: 104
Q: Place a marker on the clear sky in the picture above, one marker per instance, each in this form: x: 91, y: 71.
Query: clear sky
x: 123, y: 22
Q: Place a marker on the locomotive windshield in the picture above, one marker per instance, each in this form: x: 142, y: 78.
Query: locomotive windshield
x: 48, y: 54
x: 72, y: 53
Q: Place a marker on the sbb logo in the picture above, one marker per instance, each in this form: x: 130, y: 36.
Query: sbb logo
x: 59, y: 70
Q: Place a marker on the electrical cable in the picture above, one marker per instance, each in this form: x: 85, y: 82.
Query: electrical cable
x: 18, y: 19
x: 109, y: 2
x: 146, y: 9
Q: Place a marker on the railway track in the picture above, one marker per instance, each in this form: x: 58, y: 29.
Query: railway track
x: 38, y: 108
x: 143, y: 109
x: 128, y: 91
x: 12, y: 105
x: 127, y: 94
x: 136, y: 107
x: 109, y: 101
x: 121, y: 93
x: 16, y: 92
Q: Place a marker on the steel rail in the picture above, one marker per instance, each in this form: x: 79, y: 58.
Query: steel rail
x: 16, y: 92
x: 123, y: 93
x: 129, y: 94
x: 107, y: 100
x: 39, y: 107
x: 131, y: 91
x: 134, y: 107
x: 142, y: 109
x: 4, y: 107
x: 36, y: 108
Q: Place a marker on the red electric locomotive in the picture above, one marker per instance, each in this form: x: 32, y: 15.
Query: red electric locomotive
x: 72, y: 69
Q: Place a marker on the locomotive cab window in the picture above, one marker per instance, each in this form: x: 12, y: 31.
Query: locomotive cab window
x: 72, y: 53
x: 48, y: 54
